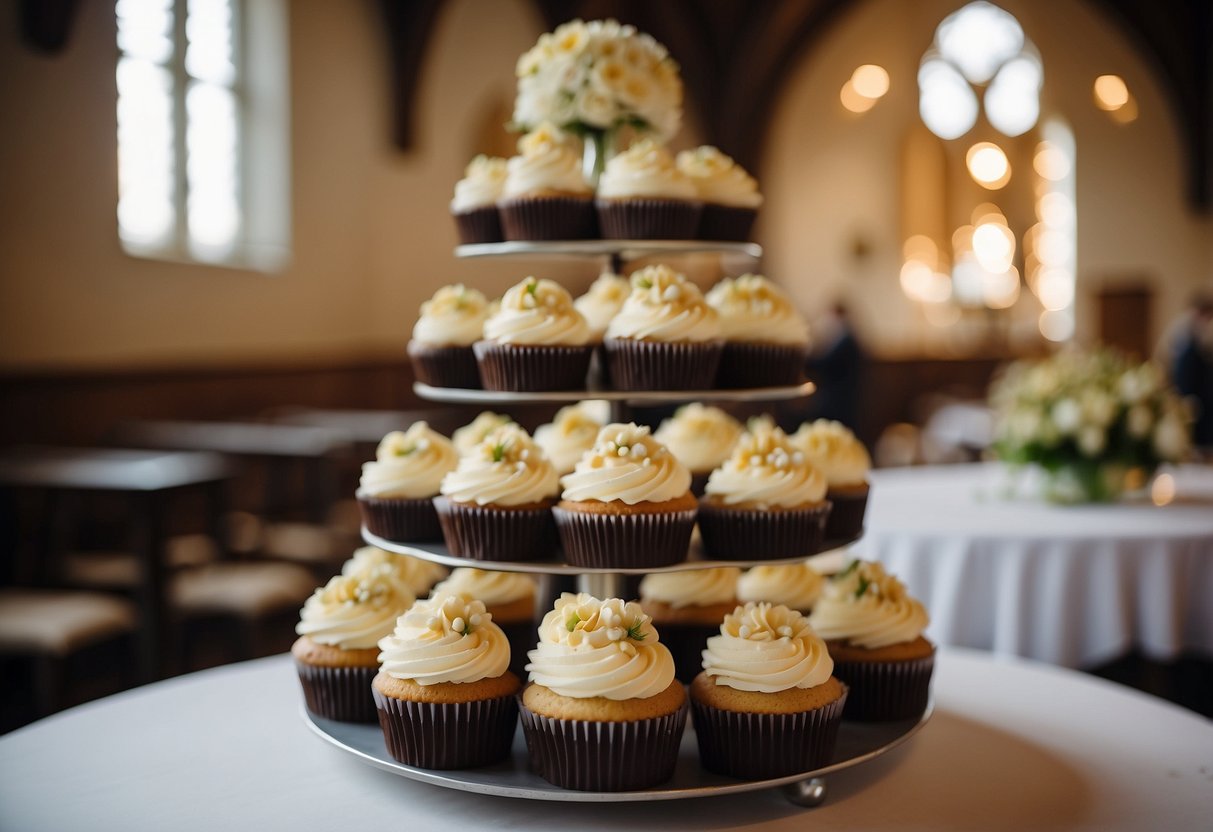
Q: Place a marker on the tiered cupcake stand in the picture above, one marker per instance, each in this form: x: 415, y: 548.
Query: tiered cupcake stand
x: 857, y: 742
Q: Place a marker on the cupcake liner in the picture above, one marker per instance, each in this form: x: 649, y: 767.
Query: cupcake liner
x: 726, y: 222
x: 624, y: 541
x: 485, y: 533
x: 522, y: 636
x: 845, y: 522
x: 400, y: 518
x: 763, y: 746
x: 648, y: 219
x: 448, y: 735
x: 751, y: 364
x: 686, y: 643
x: 444, y: 366
x: 532, y: 368
x: 656, y: 365
x: 340, y: 693
x: 758, y: 534
x: 548, y: 218
x: 480, y: 225
x: 603, y: 756
x: 886, y: 691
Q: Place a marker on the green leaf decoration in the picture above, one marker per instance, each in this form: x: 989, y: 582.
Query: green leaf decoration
x: 499, y: 452
x: 572, y: 622
x: 864, y: 583
x: 635, y: 631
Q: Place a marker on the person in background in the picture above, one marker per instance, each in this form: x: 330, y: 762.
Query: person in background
x: 836, y: 367
x: 1191, y: 367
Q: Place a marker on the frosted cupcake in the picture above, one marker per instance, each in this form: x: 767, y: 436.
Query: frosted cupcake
x: 766, y: 704
x: 627, y: 504
x: 835, y: 451
x: 766, y: 341
x: 412, y: 576
x: 396, y: 490
x: 475, y: 204
x: 445, y: 696
x: 496, y: 505
x: 730, y: 195
x: 603, y: 711
x: 466, y: 438
x: 797, y: 586
x: 569, y: 435
x: 642, y: 195
x: 536, y: 341
x: 688, y: 608
x: 665, y: 337
x: 700, y: 437
x: 764, y: 502
x: 545, y: 196
x: 602, y: 301
x: 441, y: 347
x: 509, y: 597
x: 874, y: 632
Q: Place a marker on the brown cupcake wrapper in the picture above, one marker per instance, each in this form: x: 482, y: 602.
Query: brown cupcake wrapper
x: 760, y: 365
x: 648, y: 219
x: 340, y: 693
x: 525, y: 368
x: 548, y: 218
x: 406, y: 520
x: 448, y: 735
x: 845, y: 522
x: 726, y: 222
x: 624, y: 541
x: 764, y: 746
x: 686, y: 643
x: 522, y: 636
x: 755, y: 534
x: 603, y: 756
x: 480, y: 225
x: 496, y: 534
x: 886, y: 691
x: 444, y: 366
x: 655, y: 365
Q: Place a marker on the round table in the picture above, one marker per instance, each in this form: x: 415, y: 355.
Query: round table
x: 1071, y: 585
x: 1012, y: 745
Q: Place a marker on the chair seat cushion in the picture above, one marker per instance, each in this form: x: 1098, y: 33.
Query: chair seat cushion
x: 58, y: 623
x: 247, y: 590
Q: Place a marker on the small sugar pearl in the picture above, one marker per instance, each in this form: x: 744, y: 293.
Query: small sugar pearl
x: 475, y: 618
x: 785, y: 630
x: 755, y: 460
x: 458, y: 625
x: 671, y: 293
x: 621, y: 438
x: 525, y: 453
x: 647, y: 461
x: 639, y: 450
x: 627, y: 647
x: 623, y: 451
x: 744, y: 631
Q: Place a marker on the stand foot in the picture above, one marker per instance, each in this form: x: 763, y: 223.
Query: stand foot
x: 809, y: 793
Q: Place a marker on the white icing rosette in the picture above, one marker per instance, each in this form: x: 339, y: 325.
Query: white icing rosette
x: 354, y: 611
x: 449, y: 638
x: 865, y: 606
x: 834, y: 450
x: 627, y: 464
x: 549, y: 162
x: 413, y: 576
x: 718, y: 179
x: 453, y: 317
x: 602, y: 302
x: 481, y: 185
x: 700, y: 436
x: 753, y: 309
x: 694, y: 588
x: 645, y: 170
x: 493, y: 588
x: 466, y: 438
x: 767, y: 648
x: 506, y: 469
x: 765, y: 471
x: 537, y: 312
x: 664, y: 306
x: 797, y: 586
x: 409, y: 464
x: 569, y: 435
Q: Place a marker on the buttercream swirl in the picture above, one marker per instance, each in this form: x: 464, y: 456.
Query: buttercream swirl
x: 506, y: 469
x: 627, y: 464
x: 834, y: 450
x: 537, y: 312
x: 409, y: 464
x: 752, y: 308
x: 493, y: 588
x: 602, y: 301
x: 589, y: 648
x: 764, y: 470
x: 354, y: 611
x: 568, y: 436
x: 767, y: 648
x: 466, y: 438
x: 412, y: 575
x: 549, y: 162
x: 718, y: 179
x: 867, y: 607
x: 796, y: 585
x: 481, y: 185
x: 453, y: 317
x: 447, y: 638
x: 694, y: 588
x: 646, y: 169
x: 664, y: 306
x: 700, y: 436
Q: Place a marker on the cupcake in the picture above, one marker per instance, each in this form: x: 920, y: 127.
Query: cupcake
x: 475, y: 204
x: 627, y: 504
x: 833, y: 449
x: 642, y: 195
x: 602, y: 301
x: 412, y: 576
x: 797, y: 586
x: 569, y: 435
x: 509, y: 597
x: 441, y: 347
x: 496, y: 505
x: 545, y: 196
x: 765, y: 501
x: 466, y: 438
x: 766, y: 341
x: 665, y: 337
x: 537, y: 341
x: 445, y: 696
x: 730, y: 195
x: 700, y: 437
x: 766, y: 704
x: 337, y: 654
x: 688, y: 608
x: 396, y: 490
x: 603, y: 711
x: 874, y: 632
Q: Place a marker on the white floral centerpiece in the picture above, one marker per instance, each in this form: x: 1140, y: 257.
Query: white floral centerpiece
x: 1093, y: 421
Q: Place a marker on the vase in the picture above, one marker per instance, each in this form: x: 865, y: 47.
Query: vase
x: 1092, y: 481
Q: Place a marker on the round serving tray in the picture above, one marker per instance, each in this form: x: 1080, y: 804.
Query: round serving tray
x: 627, y: 249
x: 461, y: 395
x: 857, y: 743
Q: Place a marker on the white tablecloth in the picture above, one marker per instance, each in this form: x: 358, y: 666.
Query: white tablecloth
x: 1071, y: 585
x: 1012, y: 745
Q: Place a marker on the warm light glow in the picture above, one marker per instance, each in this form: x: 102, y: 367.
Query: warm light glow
x: 962, y: 239
x: 1127, y: 113
x: 993, y: 246
x: 870, y: 81
x: 941, y: 315
x: 1111, y: 92
x: 920, y: 247
x: 988, y: 165
x: 1051, y: 162
x: 1013, y: 98
x: 1000, y: 290
x: 1055, y: 209
x: 979, y: 38
x: 1162, y: 492
x: 1055, y: 288
x: 920, y: 282
x: 1057, y: 326
x: 853, y: 101
x: 987, y: 212
x: 1053, y: 247
x: 945, y: 100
